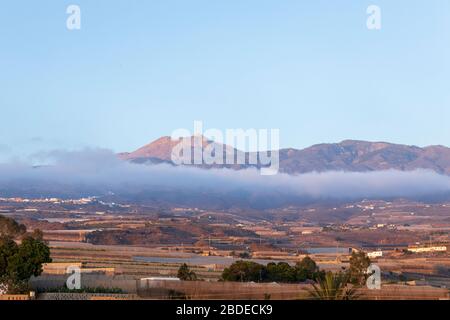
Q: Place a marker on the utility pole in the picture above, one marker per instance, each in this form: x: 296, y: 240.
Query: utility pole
x: 337, y: 251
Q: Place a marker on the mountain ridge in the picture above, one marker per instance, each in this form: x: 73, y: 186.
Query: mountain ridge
x: 347, y: 155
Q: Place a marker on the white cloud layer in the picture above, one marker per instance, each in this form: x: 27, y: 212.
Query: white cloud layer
x: 100, y: 169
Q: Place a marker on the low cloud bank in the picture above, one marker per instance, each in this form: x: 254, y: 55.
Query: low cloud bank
x: 100, y: 170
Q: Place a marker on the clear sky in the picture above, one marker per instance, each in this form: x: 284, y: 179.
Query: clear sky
x: 138, y: 70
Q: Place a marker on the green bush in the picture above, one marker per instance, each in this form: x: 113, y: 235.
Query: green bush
x: 246, y: 271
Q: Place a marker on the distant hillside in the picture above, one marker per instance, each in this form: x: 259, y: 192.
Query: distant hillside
x: 348, y: 155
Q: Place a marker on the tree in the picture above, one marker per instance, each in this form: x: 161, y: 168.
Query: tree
x: 184, y: 273
x: 334, y: 286
x: 28, y: 259
x: 8, y: 248
x: 272, y: 272
x: 281, y: 272
x: 37, y: 234
x: 306, y: 269
x: 18, y: 263
x: 10, y: 228
x: 244, y: 271
x: 359, y: 262
x: 244, y: 255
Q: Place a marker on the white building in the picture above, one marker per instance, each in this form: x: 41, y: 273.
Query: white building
x: 375, y: 254
x: 160, y: 279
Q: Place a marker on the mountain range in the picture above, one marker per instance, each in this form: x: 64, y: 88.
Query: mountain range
x: 348, y: 155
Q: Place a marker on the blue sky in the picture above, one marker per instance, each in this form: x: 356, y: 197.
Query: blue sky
x: 138, y: 70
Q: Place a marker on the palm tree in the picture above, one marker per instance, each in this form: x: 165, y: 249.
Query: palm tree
x: 334, y: 286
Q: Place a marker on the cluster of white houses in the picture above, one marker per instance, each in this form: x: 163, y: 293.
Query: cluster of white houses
x: 428, y: 249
